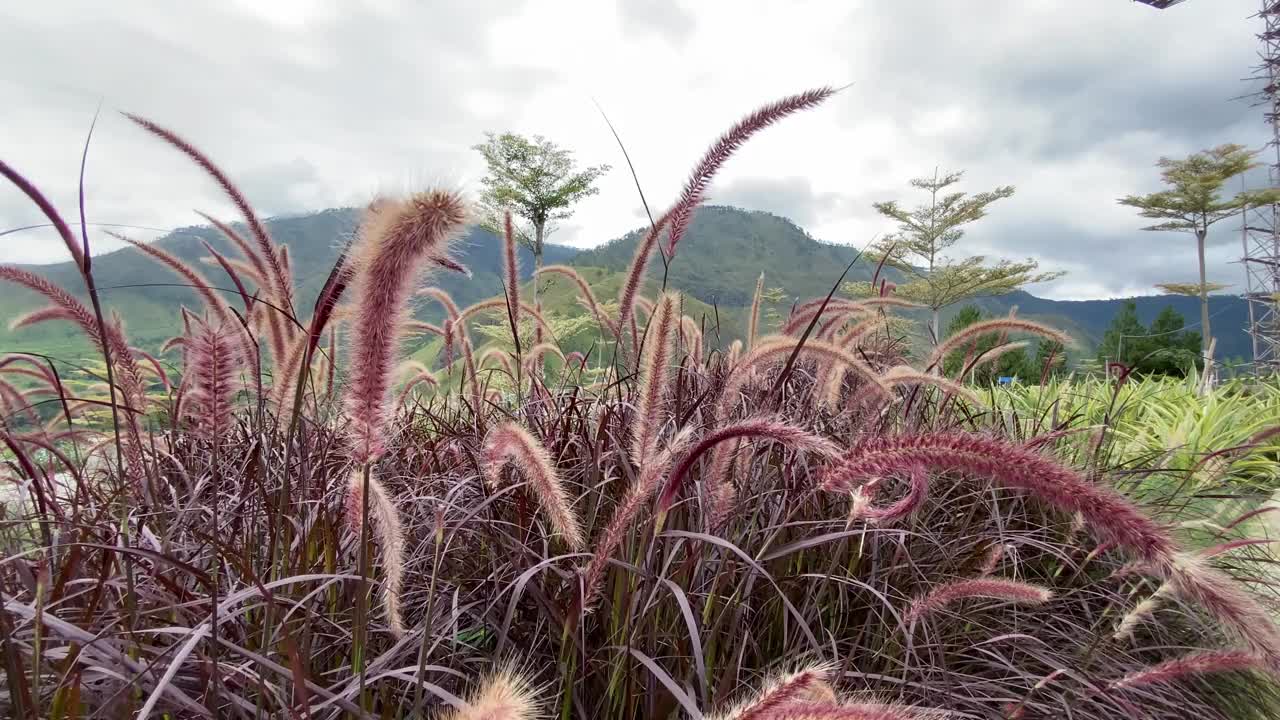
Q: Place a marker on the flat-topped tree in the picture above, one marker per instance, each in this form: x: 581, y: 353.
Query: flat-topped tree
x: 537, y: 181
x: 926, y: 232
x: 1193, y: 202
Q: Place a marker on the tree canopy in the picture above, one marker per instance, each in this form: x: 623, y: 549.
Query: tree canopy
x: 1164, y: 348
x: 924, y: 235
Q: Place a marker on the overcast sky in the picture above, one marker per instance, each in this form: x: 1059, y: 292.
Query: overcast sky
x: 310, y: 104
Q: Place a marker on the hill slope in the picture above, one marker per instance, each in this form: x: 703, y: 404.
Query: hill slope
x: 717, y: 264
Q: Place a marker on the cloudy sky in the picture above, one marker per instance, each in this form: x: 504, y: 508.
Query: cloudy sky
x: 318, y: 103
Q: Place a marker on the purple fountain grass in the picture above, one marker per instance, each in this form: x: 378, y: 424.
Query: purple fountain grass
x: 503, y: 359
x: 629, y: 291
x: 1140, y: 613
x: 252, y: 266
x: 155, y: 366
x: 510, y: 267
x: 776, y: 348
x: 626, y: 514
x: 14, y: 403
x: 387, y: 530
x: 802, y: 316
x: 992, y: 560
x: 724, y: 147
x: 753, y: 320
x: 452, y: 319
x: 33, y: 193
x: 40, y: 315
x: 391, y: 250
x: 802, y: 685
x: 990, y: 355
x: 1194, y: 665
x: 212, y: 360
x: 1110, y: 515
x: 655, y: 365
x: 534, y: 355
x: 832, y: 711
x: 505, y: 695
x: 586, y: 296
x: 999, y: 325
x: 907, y: 375
x: 865, y: 494
x: 984, y: 588
x: 791, y: 436
x: 424, y: 377
x: 735, y: 353
x: 510, y: 443
x: 500, y: 303
x: 691, y: 338
x: 1192, y: 579
x: 280, y: 285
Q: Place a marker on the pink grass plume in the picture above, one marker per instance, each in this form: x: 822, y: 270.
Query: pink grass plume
x: 395, y: 244
x: 510, y: 443
x: 655, y: 365
x: 985, y: 588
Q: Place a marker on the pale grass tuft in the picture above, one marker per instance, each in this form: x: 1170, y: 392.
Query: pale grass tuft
x: 807, y: 684
x: 384, y: 520
x: 505, y: 695
x: 753, y: 322
x: 655, y: 364
x: 509, y: 442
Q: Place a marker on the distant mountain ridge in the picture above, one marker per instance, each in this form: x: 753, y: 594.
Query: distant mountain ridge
x: 718, y: 263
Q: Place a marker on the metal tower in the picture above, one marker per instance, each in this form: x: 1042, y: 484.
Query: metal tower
x: 1261, y: 235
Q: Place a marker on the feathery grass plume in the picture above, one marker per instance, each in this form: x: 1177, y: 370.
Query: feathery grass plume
x: 1111, y: 516
x: 425, y: 377
x: 803, y: 315
x: 691, y: 338
x: 775, y: 348
x: 40, y: 315
x: 987, y: 588
x: 735, y: 352
x: 393, y: 247
x: 216, y: 258
x: 1192, y: 579
x: 77, y: 251
x: 534, y: 355
x: 990, y: 355
x: 994, y: 555
x: 655, y: 364
x: 753, y: 322
x: 13, y: 403
x: 1194, y: 665
x: 385, y: 521
x: 212, y: 360
x: 629, y: 291
x: 774, y: 429
x: 500, y: 303
x: 626, y: 513
x: 425, y: 327
x: 724, y: 147
x: 509, y: 442
x: 586, y: 295
x: 155, y: 366
x: 917, y: 491
x: 505, y: 695
x: 511, y: 268
x: 280, y: 285
x: 1000, y: 325
x: 255, y: 269
x: 1143, y: 610
x: 452, y: 324
x: 792, y: 687
x: 855, y: 711
x: 502, y: 359
x: 198, y: 282
x: 907, y: 375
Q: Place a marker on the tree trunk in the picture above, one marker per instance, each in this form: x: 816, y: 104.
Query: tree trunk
x: 937, y: 328
x: 1205, y: 334
x: 539, y: 232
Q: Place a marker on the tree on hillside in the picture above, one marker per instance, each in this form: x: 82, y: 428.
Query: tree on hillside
x: 536, y: 181
x: 1164, y: 348
x: 1014, y: 363
x: 925, y: 233
x: 1193, y: 202
x: 1051, y: 358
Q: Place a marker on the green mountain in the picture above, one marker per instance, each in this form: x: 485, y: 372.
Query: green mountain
x: 716, y: 267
